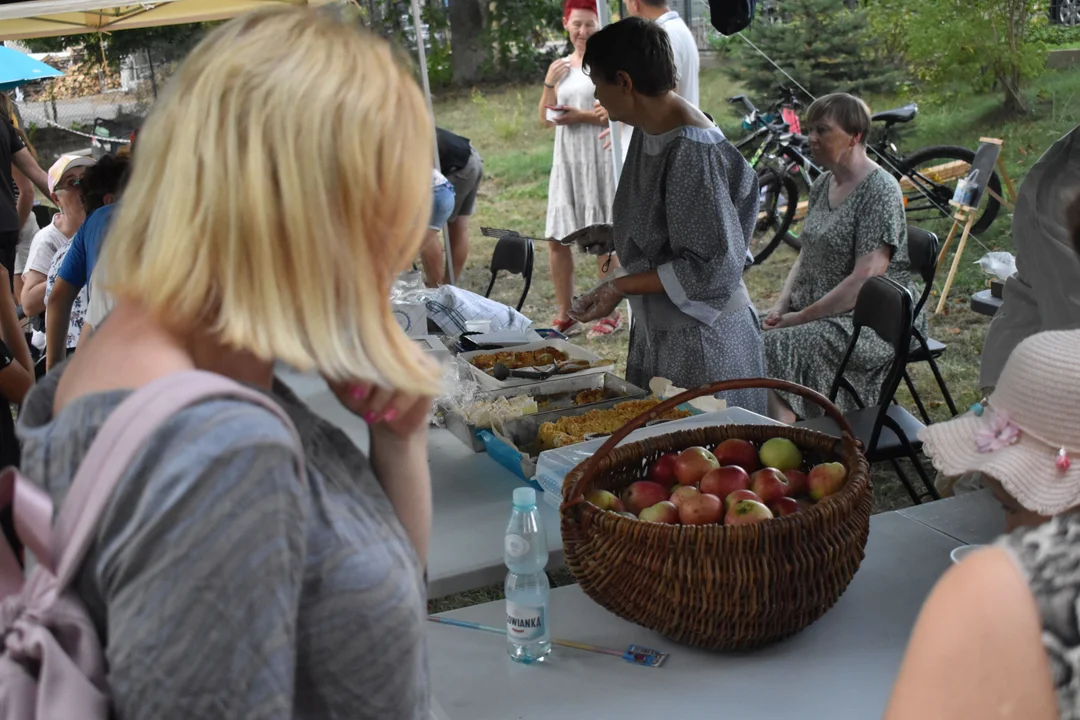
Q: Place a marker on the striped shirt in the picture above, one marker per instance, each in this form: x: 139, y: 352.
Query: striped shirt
x: 225, y: 589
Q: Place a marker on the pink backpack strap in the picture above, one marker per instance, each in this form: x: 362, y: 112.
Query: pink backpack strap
x: 118, y: 442
x: 62, y: 548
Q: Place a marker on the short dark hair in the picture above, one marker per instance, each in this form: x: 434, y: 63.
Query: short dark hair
x: 639, y: 48
x: 847, y: 111
x: 107, y: 177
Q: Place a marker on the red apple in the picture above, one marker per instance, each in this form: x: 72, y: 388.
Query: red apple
x: 605, y: 500
x: 769, y: 484
x: 683, y: 493
x: 796, y: 480
x: 738, y: 452
x: 662, y: 512
x: 739, y: 495
x: 784, y: 506
x: 725, y: 480
x: 692, y: 464
x: 643, y: 494
x: 663, y: 469
x: 701, y: 509
x: 804, y: 504
x: 747, y: 512
x: 826, y: 479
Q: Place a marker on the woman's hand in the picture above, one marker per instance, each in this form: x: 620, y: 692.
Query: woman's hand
x: 399, y: 414
x: 598, y: 303
x: 788, y: 319
x: 573, y: 116
x: 600, y: 114
x: 557, y: 71
x: 773, y: 314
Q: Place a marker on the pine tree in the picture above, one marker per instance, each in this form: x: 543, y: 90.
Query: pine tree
x: 823, y: 44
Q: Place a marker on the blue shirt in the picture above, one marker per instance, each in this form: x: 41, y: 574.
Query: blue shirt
x: 86, y: 246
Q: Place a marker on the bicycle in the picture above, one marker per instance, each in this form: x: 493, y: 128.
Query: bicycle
x: 927, y: 177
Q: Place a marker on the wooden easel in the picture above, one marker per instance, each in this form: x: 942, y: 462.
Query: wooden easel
x: 987, y: 157
x: 964, y: 216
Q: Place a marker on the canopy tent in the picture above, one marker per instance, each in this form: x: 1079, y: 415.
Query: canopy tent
x: 47, y: 18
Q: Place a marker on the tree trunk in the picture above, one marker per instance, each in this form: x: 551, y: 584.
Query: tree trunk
x: 1015, y: 102
x: 467, y: 51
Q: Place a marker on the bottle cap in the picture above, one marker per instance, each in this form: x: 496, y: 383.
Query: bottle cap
x: 524, y: 497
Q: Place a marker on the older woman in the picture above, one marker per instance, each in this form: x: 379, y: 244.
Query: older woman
x: 582, y: 184
x: 224, y: 586
x: 997, y: 638
x: 684, y: 213
x: 854, y: 230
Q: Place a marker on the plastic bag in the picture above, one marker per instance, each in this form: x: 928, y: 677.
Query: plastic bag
x: 1001, y: 265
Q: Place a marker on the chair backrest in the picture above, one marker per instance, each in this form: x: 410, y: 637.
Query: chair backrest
x: 884, y: 306
x: 922, y: 254
x: 514, y: 254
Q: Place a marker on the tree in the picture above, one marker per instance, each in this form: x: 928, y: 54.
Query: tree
x: 167, y: 44
x: 824, y: 44
x: 984, y: 43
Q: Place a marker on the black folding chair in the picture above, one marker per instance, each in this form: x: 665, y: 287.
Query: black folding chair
x: 922, y: 252
x: 514, y: 254
x: 887, y: 431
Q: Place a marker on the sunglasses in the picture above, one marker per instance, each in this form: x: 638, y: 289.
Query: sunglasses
x: 70, y: 184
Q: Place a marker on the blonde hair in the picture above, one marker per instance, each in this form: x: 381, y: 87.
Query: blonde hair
x: 278, y: 190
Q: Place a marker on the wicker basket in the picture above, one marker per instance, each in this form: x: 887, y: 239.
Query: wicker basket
x: 713, y: 586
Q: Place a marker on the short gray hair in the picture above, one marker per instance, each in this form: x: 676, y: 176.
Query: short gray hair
x: 847, y: 111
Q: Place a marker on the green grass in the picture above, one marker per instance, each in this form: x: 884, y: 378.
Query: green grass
x: 503, y: 124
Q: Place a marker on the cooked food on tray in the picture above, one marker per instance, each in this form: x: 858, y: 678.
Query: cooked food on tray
x: 483, y: 413
x: 572, y: 430
x: 515, y: 360
x: 589, y: 396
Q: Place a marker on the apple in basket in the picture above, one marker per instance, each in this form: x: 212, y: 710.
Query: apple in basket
x: 738, y: 452
x: 662, y: 512
x: 725, y: 480
x: 605, y: 500
x: 740, y: 495
x: 747, y: 512
x: 663, y: 470
x: 797, y: 482
x: 780, y: 453
x: 769, y: 484
x: 693, y: 463
x: 784, y: 506
x: 701, y: 509
x: 682, y: 493
x: 643, y: 494
x: 826, y: 479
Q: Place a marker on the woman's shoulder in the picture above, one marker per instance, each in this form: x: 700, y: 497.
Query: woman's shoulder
x: 880, y: 181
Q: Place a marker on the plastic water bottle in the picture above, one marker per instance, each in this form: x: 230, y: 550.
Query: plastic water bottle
x: 528, y: 638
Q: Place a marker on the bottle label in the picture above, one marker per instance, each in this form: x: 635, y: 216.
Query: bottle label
x: 524, y: 623
x: 516, y: 546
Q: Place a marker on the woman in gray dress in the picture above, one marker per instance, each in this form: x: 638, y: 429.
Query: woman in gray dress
x: 683, y: 214
x: 854, y: 230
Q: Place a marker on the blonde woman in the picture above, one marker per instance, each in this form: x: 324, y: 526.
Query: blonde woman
x: 251, y: 232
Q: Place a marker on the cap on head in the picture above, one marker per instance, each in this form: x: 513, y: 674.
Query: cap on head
x: 65, y: 163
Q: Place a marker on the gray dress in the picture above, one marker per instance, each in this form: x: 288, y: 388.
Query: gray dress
x: 221, y: 587
x: 1048, y: 557
x: 1043, y: 294
x: 833, y: 239
x: 686, y: 207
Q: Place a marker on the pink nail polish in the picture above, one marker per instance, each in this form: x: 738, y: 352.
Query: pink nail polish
x: 391, y: 415
x: 358, y: 392
x: 369, y: 417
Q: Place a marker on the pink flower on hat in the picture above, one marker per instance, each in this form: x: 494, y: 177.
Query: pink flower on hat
x: 1001, y: 433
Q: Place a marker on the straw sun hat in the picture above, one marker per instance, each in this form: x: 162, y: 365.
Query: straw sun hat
x: 1026, y: 435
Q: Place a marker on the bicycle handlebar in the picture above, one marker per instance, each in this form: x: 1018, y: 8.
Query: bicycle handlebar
x: 744, y: 101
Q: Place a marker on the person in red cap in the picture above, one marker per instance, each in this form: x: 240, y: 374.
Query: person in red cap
x: 582, y: 185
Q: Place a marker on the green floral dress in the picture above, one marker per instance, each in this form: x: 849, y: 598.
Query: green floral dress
x: 833, y: 239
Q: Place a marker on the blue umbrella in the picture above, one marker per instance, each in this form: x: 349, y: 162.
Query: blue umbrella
x: 18, y: 69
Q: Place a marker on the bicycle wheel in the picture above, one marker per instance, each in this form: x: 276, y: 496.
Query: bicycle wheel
x: 921, y: 171
x: 776, y: 211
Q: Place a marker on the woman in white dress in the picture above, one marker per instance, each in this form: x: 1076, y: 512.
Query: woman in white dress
x: 582, y: 186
